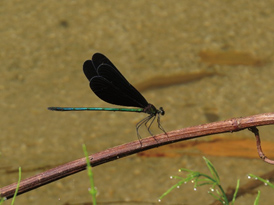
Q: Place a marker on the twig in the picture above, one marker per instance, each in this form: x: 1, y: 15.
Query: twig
x: 231, y: 125
x: 259, y: 148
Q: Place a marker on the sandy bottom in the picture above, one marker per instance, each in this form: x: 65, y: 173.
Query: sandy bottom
x: 43, y: 46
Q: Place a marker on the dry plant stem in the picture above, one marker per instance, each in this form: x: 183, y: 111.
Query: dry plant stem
x: 259, y: 148
x: 231, y: 125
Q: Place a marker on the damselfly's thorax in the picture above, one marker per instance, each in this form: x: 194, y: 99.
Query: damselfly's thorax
x: 151, y: 109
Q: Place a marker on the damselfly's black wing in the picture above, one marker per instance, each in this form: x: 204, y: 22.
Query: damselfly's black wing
x: 109, y: 84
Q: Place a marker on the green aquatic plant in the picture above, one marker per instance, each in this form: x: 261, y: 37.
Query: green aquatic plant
x: 17, y: 187
x: 200, y: 179
x: 92, y: 189
x: 265, y: 181
x: 16, y: 190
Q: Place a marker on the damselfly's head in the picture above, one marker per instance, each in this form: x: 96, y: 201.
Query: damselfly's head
x: 161, y: 111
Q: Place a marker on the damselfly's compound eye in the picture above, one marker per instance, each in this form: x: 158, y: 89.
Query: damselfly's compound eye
x: 162, y: 112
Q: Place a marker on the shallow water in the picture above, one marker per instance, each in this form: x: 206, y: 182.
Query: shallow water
x: 43, y: 48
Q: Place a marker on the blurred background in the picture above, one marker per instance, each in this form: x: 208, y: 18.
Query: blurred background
x: 202, y: 61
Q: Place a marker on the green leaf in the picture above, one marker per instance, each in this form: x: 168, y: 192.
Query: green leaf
x: 256, y: 202
x: 236, y: 191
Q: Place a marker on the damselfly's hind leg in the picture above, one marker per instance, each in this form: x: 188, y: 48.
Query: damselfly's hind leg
x: 159, y: 124
x: 139, y: 124
x: 148, y: 127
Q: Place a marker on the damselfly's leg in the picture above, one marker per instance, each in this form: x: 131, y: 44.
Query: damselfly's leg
x: 139, y: 124
x: 159, y: 124
x: 148, y: 127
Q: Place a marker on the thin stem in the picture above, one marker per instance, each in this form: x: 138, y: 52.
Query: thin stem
x: 231, y: 125
x: 93, y: 190
x: 17, y: 187
x: 259, y: 148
